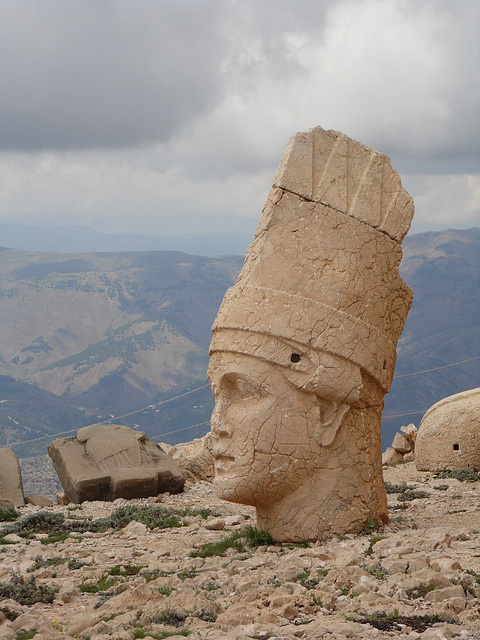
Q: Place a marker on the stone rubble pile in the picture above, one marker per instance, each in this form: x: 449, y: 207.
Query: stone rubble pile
x: 403, y: 446
x: 418, y: 577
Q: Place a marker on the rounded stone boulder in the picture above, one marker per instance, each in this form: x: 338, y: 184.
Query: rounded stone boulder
x: 449, y: 434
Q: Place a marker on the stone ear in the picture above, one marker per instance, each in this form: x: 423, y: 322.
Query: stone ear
x: 333, y: 416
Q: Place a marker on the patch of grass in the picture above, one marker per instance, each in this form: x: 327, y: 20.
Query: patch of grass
x: 371, y: 526
x: 40, y: 563
x: 393, y: 621
x: 305, y: 580
x: 256, y: 537
x: 26, y: 635
x: 9, y: 614
x: 421, y: 591
x: 141, y: 633
x: 238, y: 540
x: 441, y: 487
x: 125, y: 569
x: 165, y: 590
x: 154, y: 574
x: 406, y: 492
x: 464, y: 475
x: 58, y: 528
x: 187, y: 573
x: 8, y: 514
x: 102, y: 585
x: 475, y: 574
x: 377, y: 571
x: 211, y: 586
x: 74, y: 563
x: 373, y: 541
x: 26, y: 591
x: 398, y: 488
x: 3, y: 541
x: 57, y: 537
x: 170, y: 618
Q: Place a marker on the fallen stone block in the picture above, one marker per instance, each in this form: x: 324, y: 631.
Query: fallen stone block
x: 106, y: 462
x: 11, y: 486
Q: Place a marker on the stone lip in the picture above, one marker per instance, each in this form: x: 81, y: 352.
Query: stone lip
x: 420, y: 567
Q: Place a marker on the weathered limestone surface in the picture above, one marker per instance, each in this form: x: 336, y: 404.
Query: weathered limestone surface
x: 425, y: 563
x: 194, y: 458
x: 105, y: 462
x: 11, y: 487
x: 449, y: 434
x: 304, y: 344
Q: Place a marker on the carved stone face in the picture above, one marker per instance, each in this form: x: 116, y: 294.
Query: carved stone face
x: 264, y: 430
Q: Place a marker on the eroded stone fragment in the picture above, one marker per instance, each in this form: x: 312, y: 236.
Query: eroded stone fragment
x: 11, y: 486
x: 449, y: 434
x: 105, y: 462
x: 304, y: 344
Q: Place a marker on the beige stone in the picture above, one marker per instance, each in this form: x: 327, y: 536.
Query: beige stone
x: 390, y: 456
x: 449, y: 434
x: 194, y: 458
x: 106, y: 462
x: 38, y: 501
x: 410, y: 431
x: 304, y: 344
x: 11, y: 486
x: 401, y: 444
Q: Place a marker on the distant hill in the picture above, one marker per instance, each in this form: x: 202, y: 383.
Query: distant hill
x: 443, y: 326
x: 88, y: 336
x: 79, y: 239
x: 109, y: 332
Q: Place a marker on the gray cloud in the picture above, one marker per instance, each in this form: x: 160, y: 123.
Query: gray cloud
x: 83, y: 73
x: 117, y: 109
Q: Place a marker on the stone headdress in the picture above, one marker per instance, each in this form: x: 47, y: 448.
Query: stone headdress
x: 320, y: 294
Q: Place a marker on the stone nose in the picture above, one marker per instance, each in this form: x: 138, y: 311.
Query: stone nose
x: 217, y: 421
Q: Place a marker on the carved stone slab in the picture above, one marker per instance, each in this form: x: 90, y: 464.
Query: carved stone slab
x: 11, y: 486
x: 304, y: 344
x: 105, y: 462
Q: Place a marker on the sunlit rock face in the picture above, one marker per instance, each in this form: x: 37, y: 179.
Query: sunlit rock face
x: 304, y: 343
x: 449, y: 434
x: 11, y: 486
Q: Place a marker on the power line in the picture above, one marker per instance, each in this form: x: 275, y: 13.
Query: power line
x: 402, y: 415
x: 154, y: 406
x: 445, y: 366
x: 169, y: 433
x: 187, y: 393
x: 151, y: 406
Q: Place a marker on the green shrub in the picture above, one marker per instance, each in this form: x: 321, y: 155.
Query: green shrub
x: 372, y: 525
x: 8, y: 514
x: 102, y: 585
x: 248, y: 536
x: 464, y: 475
x: 26, y: 591
x: 170, y: 618
x: 128, y: 569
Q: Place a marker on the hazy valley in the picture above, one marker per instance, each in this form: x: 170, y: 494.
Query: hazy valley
x: 84, y: 337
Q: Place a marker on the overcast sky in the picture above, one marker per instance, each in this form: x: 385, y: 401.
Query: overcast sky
x: 170, y: 116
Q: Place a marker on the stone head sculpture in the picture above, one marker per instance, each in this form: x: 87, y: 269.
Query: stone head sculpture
x: 304, y: 343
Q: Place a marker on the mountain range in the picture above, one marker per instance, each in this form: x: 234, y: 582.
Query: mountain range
x: 88, y: 337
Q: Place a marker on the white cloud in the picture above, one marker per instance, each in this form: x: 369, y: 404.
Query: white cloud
x: 443, y: 201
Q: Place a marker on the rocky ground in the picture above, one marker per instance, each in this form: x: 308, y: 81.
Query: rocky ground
x: 419, y: 577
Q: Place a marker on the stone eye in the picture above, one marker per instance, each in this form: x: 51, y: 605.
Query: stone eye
x: 295, y: 357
